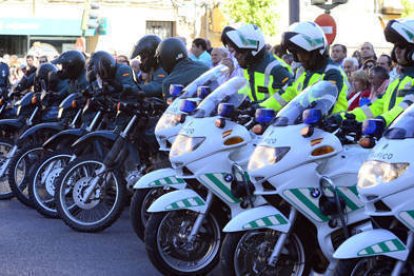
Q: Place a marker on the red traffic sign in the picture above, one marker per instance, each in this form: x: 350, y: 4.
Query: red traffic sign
x: 328, y: 25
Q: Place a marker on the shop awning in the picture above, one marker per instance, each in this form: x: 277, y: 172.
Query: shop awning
x: 42, y: 26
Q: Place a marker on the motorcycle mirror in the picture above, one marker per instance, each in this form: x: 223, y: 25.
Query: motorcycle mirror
x: 312, y: 116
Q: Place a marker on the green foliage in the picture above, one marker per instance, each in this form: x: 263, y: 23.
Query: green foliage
x: 408, y: 8
x: 259, y: 12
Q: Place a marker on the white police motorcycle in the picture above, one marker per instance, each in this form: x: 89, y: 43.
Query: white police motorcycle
x: 308, y: 177
x: 386, y: 186
x: 156, y: 183
x: 183, y: 235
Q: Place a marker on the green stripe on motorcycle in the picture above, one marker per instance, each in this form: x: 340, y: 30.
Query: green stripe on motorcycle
x: 222, y: 187
x: 186, y: 203
x: 173, y: 206
x: 348, y: 201
x: 168, y: 180
x: 198, y: 201
x: 398, y: 244
x: 411, y: 214
x: 180, y: 180
x: 157, y: 183
x: 267, y: 221
x: 384, y: 247
x: 309, y: 204
x: 354, y: 189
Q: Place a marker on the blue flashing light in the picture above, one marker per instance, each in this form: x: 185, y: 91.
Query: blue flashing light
x: 264, y: 115
x: 364, y: 101
x: 203, y: 91
x: 373, y: 127
x: 188, y: 106
x: 311, y: 116
x: 225, y: 110
x: 176, y: 89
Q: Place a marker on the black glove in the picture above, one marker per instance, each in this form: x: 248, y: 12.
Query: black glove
x: 116, y: 85
x: 332, y: 122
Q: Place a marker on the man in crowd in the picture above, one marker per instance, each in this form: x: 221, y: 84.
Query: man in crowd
x: 338, y: 53
x: 4, y: 75
x: 199, y: 51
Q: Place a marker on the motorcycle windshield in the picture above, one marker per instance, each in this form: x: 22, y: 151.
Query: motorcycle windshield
x: 208, y: 78
x: 225, y: 93
x: 321, y: 95
x: 403, y: 126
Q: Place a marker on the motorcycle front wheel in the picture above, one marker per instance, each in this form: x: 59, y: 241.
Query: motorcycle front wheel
x: 140, y: 202
x: 171, y: 252
x: 42, y: 182
x: 247, y: 253
x: 20, y: 168
x: 105, y: 202
x: 5, y: 191
x: 371, y: 266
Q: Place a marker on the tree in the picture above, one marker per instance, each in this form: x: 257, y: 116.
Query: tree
x: 408, y: 8
x: 259, y: 12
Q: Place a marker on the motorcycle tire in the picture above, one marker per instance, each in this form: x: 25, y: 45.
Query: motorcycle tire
x: 70, y: 190
x: 141, y: 200
x: 179, y: 259
x: 23, y: 160
x: 42, y: 187
x: 5, y: 190
x: 231, y: 249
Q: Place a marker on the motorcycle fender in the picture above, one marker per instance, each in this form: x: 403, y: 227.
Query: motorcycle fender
x: 106, y: 134
x: 263, y: 217
x: 72, y: 133
x: 14, y: 123
x: 185, y: 199
x: 160, y: 178
x: 40, y: 127
x: 372, y: 243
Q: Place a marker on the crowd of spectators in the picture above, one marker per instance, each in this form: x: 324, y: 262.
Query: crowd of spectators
x: 368, y: 75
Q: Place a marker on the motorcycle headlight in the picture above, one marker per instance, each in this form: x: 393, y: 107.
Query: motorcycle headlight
x: 373, y: 173
x: 167, y: 120
x: 184, y: 144
x: 265, y: 156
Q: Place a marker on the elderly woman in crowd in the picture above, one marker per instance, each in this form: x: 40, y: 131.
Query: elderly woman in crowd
x: 360, y: 90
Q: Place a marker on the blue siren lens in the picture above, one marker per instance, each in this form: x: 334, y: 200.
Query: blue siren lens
x: 203, y: 91
x: 225, y: 109
x: 311, y: 116
x: 176, y: 89
x: 188, y: 106
x: 373, y: 127
x: 264, y: 115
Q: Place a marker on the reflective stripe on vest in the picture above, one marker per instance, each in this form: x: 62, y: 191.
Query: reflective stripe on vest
x: 262, y: 82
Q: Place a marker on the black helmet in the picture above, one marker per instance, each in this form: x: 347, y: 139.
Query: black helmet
x: 90, y: 66
x: 145, y: 49
x: 106, y: 67
x: 170, y: 52
x: 73, y: 64
x: 41, y: 80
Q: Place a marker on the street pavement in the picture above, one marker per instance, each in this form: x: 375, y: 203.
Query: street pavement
x: 33, y: 245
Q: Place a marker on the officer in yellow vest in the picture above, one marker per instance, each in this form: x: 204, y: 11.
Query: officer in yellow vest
x: 400, y: 93
x: 266, y: 75
x: 307, y: 42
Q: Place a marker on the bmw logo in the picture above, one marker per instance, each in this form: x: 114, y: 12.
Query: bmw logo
x: 228, y: 178
x: 315, y: 193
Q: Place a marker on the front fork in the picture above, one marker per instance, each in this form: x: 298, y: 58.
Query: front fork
x: 277, y: 250
x: 199, y: 220
x: 399, y: 266
x: 6, y: 163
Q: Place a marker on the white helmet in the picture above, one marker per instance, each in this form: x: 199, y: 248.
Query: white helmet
x: 306, y: 36
x: 247, y: 37
x: 400, y: 31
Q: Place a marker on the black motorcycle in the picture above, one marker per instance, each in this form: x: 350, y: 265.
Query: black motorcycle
x: 90, y: 192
